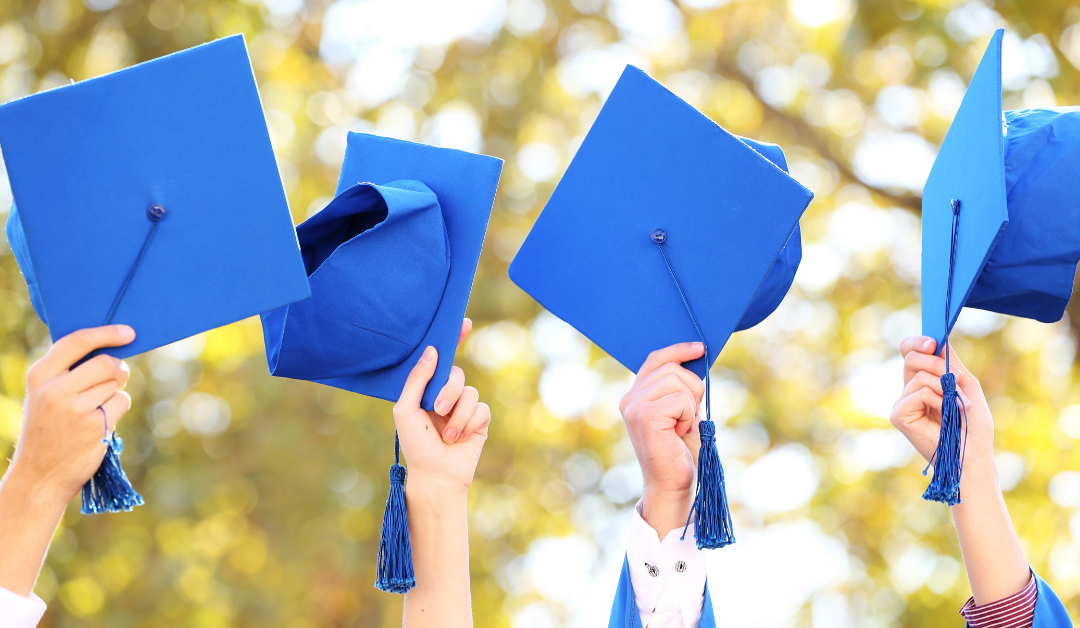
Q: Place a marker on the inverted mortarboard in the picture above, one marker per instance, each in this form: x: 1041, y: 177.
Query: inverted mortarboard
x: 1001, y: 228
x: 666, y: 228
x: 151, y: 197
x: 391, y: 262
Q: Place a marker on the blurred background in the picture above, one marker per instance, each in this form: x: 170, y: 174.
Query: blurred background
x: 264, y: 496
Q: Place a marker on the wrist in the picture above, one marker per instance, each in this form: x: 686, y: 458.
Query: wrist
x: 33, y: 492
x: 433, y: 488
x: 978, y: 483
x: 666, y: 509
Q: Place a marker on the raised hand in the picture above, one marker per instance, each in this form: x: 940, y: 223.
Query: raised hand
x: 661, y: 411
x: 65, y: 419
x: 917, y: 413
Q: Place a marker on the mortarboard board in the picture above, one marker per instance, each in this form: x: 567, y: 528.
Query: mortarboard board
x: 665, y: 228
x: 391, y: 262
x: 151, y: 197
x: 1001, y: 228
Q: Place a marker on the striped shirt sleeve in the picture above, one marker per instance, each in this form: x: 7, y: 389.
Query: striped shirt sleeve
x: 1015, y: 611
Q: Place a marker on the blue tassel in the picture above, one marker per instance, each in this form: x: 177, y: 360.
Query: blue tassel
x: 395, y: 569
x: 712, y: 528
x: 110, y: 490
x: 948, y: 457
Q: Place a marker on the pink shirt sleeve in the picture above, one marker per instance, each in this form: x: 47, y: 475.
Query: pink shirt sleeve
x: 1015, y: 611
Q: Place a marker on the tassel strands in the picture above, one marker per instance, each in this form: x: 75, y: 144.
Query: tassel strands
x: 948, y: 458
x: 712, y: 527
x: 395, y: 567
x: 109, y: 490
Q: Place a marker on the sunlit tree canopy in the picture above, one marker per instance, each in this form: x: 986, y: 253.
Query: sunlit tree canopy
x: 264, y: 495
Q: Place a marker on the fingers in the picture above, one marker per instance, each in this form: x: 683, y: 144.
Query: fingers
x: 672, y: 384
x: 463, y: 411
x: 922, y: 344
x: 77, y: 345
x: 682, y: 352
x: 478, y: 422
x: 688, y: 377
x: 923, y: 379
x: 421, y: 374
x: 466, y: 329
x: 915, y: 362
x: 677, y: 405
x: 915, y: 406
x: 450, y: 393
x: 89, y: 400
x: 96, y: 371
x: 116, y: 407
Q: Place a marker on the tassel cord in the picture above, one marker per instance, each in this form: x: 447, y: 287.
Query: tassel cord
x: 951, y: 449
x: 712, y: 527
x: 109, y: 490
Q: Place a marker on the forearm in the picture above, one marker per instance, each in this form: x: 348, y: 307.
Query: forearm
x: 995, y: 562
x: 28, y: 518
x: 439, y: 535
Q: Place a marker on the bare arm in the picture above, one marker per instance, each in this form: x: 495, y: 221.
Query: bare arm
x: 61, y: 446
x: 995, y: 562
x: 441, y: 449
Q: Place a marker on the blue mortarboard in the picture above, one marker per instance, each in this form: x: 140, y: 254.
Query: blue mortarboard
x: 95, y: 164
x: 151, y: 197
x: 1001, y: 227
x: 391, y: 262
x: 665, y: 228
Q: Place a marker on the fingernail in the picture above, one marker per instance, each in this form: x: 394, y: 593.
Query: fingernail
x: 124, y: 367
x: 926, y: 345
x: 698, y: 346
x: 428, y: 355
x: 450, y: 435
x: 441, y: 406
x: 125, y: 332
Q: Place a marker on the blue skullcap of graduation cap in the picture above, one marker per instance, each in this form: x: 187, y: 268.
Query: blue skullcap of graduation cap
x: 777, y: 283
x: 666, y: 228
x: 1001, y: 230
x: 1031, y: 270
x: 365, y: 314
x: 150, y: 197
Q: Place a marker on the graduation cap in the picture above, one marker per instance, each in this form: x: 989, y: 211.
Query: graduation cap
x: 149, y: 197
x: 666, y: 228
x: 391, y: 262
x: 1001, y: 229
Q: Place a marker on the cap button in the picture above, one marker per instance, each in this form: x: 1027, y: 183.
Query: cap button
x: 155, y: 212
x: 659, y: 236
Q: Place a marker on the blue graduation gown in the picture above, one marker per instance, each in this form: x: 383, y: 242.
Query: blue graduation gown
x: 1049, y: 611
x: 624, y: 612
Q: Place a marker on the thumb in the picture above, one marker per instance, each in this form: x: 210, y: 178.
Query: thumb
x: 413, y: 392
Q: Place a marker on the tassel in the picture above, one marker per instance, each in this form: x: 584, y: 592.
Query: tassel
x: 110, y: 490
x: 949, y: 455
x: 945, y: 485
x: 712, y: 528
x: 395, y: 569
